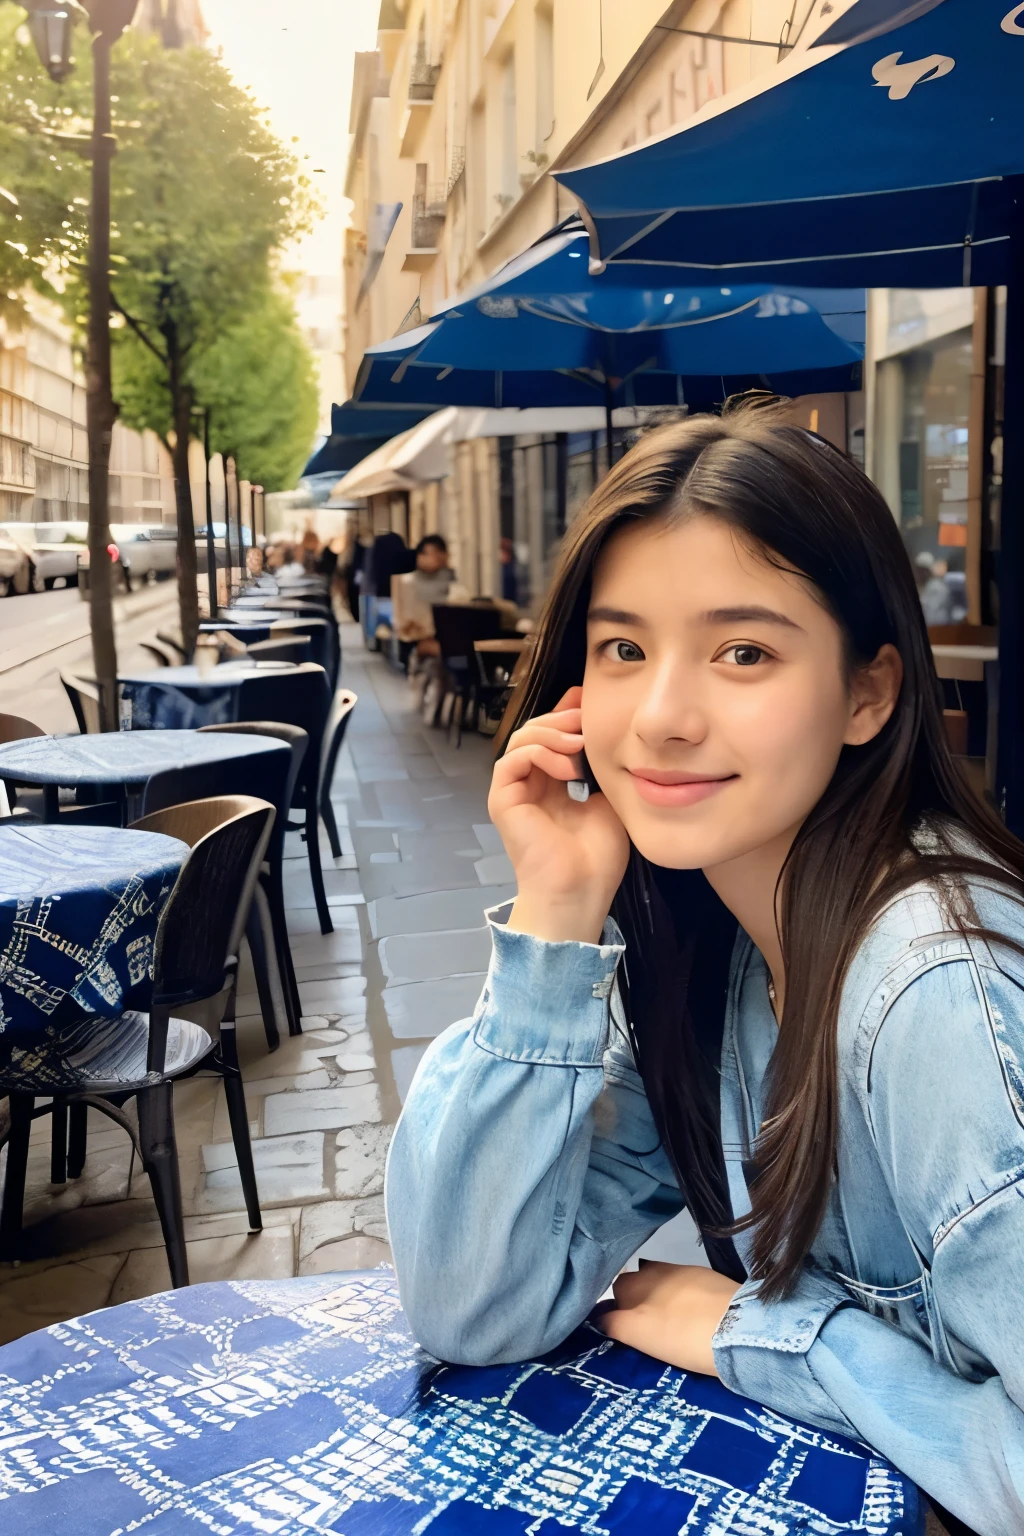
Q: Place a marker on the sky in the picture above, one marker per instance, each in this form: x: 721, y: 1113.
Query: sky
x: 296, y: 58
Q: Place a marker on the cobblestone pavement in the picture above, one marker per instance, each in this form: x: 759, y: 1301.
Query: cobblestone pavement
x: 408, y: 955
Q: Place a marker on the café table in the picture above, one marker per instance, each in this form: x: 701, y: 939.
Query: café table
x: 183, y: 698
x: 78, y: 913
x: 117, y: 760
x: 304, y: 1406
x: 504, y: 655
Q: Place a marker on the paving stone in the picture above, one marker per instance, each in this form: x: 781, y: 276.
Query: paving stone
x: 404, y: 1062
x: 321, y: 1109
x: 31, y: 1301
x: 359, y: 1160
x: 434, y: 913
x: 495, y: 869
x: 422, y: 1009
x: 341, y: 1218
x: 262, y: 1086
x: 488, y: 836
x: 346, y: 1254
x: 422, y: 956
x: 266, y: 1255
x: 288, y: 1168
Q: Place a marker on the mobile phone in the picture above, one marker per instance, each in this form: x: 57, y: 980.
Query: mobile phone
x: 582, y: 788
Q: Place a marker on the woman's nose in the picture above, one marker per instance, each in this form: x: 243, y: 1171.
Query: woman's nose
x: 668, y: 709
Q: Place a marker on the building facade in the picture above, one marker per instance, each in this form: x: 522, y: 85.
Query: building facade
x: 43, y: 448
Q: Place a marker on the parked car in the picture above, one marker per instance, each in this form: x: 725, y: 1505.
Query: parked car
x: 52, y: 550
x: 142, y: 552
x: 15, y: 566
x: 219, y: 547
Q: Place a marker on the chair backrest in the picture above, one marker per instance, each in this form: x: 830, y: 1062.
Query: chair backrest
x: 85, y: 701
x: 298, y: 741
x: 160, y: 653
x: 15, y: 728
x: 456, y: 626
x: 261, y: 775
x: 296, y: 649
x: 203, y: 920
x: 300, y: 698
x: 343, y: 704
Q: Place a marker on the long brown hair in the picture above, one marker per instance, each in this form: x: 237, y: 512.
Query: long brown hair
x: 809, y: 509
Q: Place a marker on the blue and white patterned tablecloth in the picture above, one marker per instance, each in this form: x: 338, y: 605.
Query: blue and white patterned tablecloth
x: 182, y: 698
x: 303, y: 1406
x: 120, y: 757
x: 78, y: 913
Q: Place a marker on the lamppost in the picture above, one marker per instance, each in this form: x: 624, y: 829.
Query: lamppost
x: 50, y: 23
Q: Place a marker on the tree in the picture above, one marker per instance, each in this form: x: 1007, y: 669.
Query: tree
x: 205, y: 195
x: 259, y: 384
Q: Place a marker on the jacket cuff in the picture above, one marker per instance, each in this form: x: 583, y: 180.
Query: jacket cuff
x: 761, y: 1349
x: 547, y: 1003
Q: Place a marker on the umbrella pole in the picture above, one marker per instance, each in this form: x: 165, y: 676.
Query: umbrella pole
x: 1010, y: 755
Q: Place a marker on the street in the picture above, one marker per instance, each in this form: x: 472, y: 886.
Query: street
x: 45, y: 633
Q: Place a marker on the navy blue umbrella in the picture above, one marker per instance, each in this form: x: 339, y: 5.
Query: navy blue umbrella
x: 357, y: 430
x: 542, y: 331
x: 883, y: 154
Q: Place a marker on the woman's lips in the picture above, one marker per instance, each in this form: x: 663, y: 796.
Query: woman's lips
x: 666, y: 789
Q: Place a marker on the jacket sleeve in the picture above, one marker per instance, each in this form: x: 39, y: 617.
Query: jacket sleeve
x: 516, y: 1182
x: 947, y: 1114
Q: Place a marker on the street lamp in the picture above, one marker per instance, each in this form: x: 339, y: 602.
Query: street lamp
x: 51, y: 23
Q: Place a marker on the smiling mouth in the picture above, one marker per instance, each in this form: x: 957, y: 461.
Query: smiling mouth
x: 661, y: 787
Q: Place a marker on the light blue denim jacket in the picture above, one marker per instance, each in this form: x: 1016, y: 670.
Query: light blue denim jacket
x: 526, y: 1170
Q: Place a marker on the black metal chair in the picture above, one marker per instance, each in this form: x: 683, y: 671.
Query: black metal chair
x: 85, y: 701
x: 141, y: 1055
x: 272, y: 875
x: 456, y: 626
x: 341, y: 711
x: 299, y: 698
x: 162, y: 654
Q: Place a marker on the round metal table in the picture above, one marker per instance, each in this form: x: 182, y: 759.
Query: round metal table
x: 121, y: 758
x: 303, y: 1406
x: 78, y: 913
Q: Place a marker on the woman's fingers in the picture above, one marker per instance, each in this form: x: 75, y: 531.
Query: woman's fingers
x: 567, y: 720
x: 552, y: 736
x: 520, y: 763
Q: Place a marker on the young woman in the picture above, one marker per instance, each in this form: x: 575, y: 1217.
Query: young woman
x: 770, y: 968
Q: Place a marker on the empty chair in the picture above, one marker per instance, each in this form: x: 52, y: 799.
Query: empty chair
x: 456, y: 626
x: 266, y: 776
x: 299, y: 698
x: 294, y: 649
x: 341, y: 710
x: 139, y: 1055
x: 85, y: 701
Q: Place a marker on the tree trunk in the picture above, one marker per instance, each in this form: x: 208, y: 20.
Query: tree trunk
x: 100, y: 411
x: 188, y: 589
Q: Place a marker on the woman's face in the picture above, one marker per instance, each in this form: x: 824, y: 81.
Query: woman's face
x: 716, y: 700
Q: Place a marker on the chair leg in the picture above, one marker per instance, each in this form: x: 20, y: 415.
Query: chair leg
x: 79, y: 1115
x: 20, y: 1106
x: 316, y: 873
x: 285, y: 964
x: 160, y: 1160
x: 238, y: 1115
x: 261, y: 968
x: 59, y: 1142
x: 329, y: 821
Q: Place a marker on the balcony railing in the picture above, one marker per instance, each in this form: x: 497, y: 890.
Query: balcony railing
x: 428, y: 212
x: 423, y: 78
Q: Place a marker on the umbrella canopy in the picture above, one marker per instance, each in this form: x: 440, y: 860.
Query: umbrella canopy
x: 542, y: 331
x: 355, y: 432
x: 883, y: 154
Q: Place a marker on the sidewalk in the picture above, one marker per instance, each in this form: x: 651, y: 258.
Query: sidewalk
x: 407, y: 957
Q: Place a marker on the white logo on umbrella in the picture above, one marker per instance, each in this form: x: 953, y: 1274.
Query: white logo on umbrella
x: 901, y: 78
x: 1011, y: 21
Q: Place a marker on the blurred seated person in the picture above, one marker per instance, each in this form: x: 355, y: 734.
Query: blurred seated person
x: 291, y: 567
x: 415, y: 594
x: 933, y: 589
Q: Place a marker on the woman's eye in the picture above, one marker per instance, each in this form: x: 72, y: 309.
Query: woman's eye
x: 744, y: 655
x: 623, y: 650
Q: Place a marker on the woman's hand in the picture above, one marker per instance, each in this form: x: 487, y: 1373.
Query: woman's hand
x: 670, y: 1311
x: 569, y: 857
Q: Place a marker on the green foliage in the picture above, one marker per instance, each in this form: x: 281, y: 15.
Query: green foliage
x: 259, y: 383
x: 44, y: 180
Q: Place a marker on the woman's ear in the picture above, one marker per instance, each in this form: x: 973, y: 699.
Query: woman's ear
x: 874, y: 690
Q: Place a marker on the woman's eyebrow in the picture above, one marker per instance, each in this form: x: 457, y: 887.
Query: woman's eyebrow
x: 615, y: 616
x: 744, y: 615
